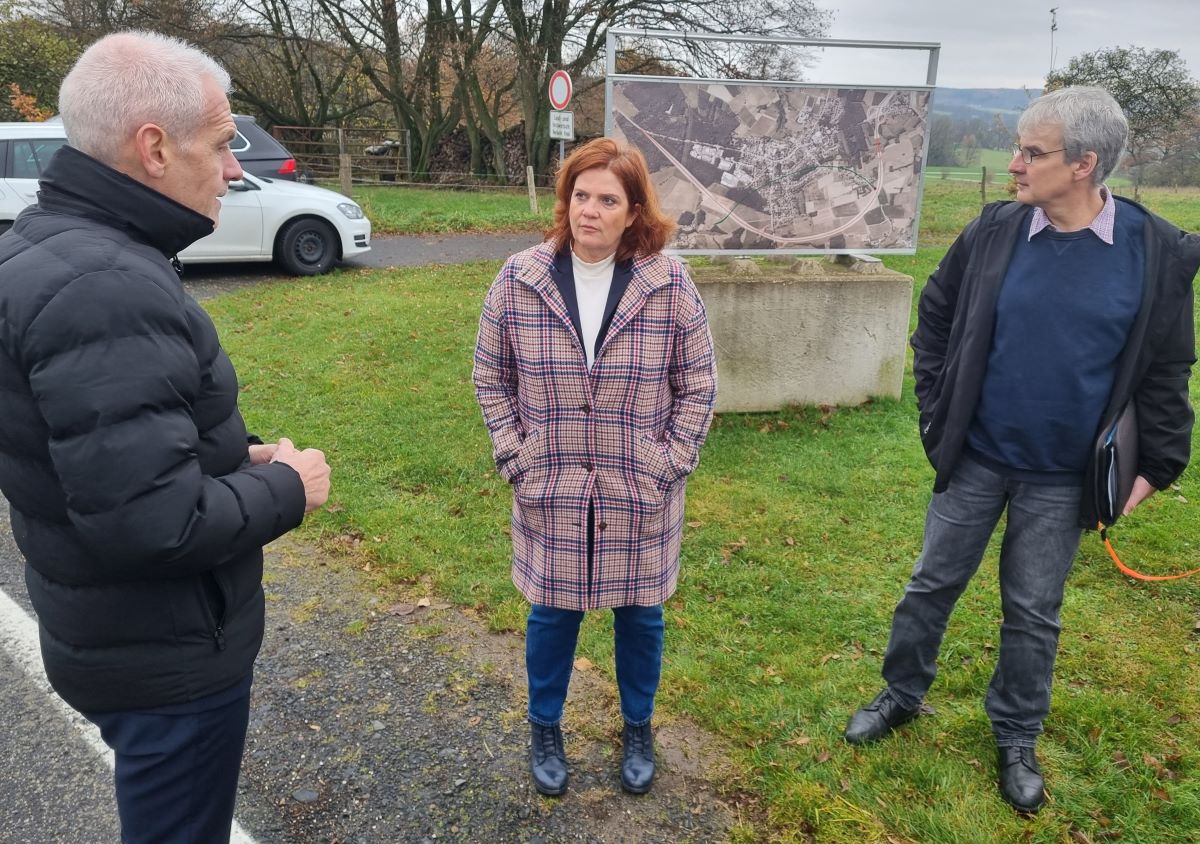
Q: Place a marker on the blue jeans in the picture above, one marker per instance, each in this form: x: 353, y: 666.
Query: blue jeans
x: 177, y: 767
x: 550, y: 636
x: 1040, y: 541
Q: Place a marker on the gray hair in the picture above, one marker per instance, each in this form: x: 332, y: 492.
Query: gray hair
x: 1091, y: 121
x: 128, y: 79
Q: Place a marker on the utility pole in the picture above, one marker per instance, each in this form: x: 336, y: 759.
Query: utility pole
x: 1053, y: 29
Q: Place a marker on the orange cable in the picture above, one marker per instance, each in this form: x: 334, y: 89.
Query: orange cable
x: 1136, y: 574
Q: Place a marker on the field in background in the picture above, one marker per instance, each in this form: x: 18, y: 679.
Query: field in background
x: 947, y: 206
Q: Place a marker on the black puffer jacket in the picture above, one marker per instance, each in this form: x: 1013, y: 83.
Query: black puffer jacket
x: 122, y: 452
x: 956, y: 316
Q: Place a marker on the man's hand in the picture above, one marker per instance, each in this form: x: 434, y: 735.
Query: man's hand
x: 1140, y: 492
x: 312, y: 468
x: 262, y: 453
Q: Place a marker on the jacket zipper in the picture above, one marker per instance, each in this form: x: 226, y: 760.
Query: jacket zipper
x: 218, y: 633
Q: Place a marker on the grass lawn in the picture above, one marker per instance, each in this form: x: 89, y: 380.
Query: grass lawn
x: 802, y: 528
x: 395, y: 210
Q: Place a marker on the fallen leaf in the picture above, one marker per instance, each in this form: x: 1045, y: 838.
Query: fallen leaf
x: 823, y: 756
x: 1121, y: 761
x: 845, y: 784
x: 798, y: 741
x: 1080, y: 837
x: 695, y: 524
x: 584, y: 664
x: 1161, y: 795
x: 424, y: 602
x: 402, y: 609
x: 1174, y: 719
x: 334, y: 508
x: 316, y: 728
x: 474, y: 720
x: 789, y: 541
x: 1094, y: 735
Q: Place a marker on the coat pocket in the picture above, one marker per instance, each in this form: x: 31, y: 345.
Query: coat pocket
x: 653, y: 472
x: 527, y: 455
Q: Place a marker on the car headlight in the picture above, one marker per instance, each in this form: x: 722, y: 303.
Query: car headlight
x: 351, y: 210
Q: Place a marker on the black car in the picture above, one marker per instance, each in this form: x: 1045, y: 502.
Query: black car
x: 260, y: 154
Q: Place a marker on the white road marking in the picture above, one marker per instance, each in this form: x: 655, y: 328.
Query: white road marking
x: 19, y: 638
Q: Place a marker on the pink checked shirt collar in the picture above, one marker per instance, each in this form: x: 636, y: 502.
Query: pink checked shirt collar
x: 1102, y: 225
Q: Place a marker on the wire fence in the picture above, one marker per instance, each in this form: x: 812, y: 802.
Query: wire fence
x: 381, y: 155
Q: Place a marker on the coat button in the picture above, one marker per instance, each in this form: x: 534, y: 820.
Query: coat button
x: 587, y: 408
x: 602, y: 526
x: 587, y: 467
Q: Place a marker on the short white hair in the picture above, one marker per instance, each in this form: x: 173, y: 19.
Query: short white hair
x: 128, y: 79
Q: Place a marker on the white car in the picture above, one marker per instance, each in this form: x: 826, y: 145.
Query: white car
x: 306, y: 229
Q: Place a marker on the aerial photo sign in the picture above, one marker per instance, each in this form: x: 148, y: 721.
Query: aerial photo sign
x: 770, y: 166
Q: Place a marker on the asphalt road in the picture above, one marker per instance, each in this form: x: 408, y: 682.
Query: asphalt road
x: 205, y: 280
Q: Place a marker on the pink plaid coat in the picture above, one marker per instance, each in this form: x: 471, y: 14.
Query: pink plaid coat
x: 623, y: 436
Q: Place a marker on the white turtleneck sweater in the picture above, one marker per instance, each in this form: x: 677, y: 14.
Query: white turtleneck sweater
x: 592, y: 282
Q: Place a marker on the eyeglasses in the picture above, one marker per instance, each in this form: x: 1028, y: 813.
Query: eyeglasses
x: 1027, y: 155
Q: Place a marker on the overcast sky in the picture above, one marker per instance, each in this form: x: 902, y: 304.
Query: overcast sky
x: 1001, y: 43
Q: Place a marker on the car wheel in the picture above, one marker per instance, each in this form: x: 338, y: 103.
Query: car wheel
x: 306, y: 247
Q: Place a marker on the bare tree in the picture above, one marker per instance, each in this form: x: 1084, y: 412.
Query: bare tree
x: 1154, y: 88
x: 401, y: 48
x: 288, y: 67
x: 570, y: 34
x: 87, y: 20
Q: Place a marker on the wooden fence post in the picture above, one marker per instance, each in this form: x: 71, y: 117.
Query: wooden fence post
x: 533, y: 209
x: 983, y: 189
x: 344, y: 179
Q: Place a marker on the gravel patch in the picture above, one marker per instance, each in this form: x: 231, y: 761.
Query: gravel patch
x: 388, y: 716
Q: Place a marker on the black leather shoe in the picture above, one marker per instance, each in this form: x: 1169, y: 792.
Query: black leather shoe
x: 1021, y: 782
x: 877, y: 719
x: 547, y: 761
x: 637, y: 762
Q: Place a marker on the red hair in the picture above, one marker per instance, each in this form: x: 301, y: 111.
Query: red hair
x: 651, y: 229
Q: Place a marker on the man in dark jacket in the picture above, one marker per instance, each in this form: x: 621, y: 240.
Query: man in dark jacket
x: 135, y: 496
x: 1044, y: 320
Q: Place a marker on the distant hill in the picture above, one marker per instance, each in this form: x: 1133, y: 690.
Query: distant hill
x: 965, y: 103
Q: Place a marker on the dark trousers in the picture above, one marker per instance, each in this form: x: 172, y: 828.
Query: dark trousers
x: 1041, y: 537
x: 177, y: 767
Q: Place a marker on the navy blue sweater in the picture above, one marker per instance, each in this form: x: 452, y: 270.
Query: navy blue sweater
x: 1063, y: 316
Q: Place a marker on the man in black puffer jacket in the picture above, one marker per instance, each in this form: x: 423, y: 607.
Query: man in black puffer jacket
x: 135, y: 496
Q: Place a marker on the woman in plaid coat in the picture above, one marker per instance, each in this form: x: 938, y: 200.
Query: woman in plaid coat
x: 594, y: 369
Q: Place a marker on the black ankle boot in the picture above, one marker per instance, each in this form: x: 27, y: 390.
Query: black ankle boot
x: 1021, y: 782
x: 637, y: 763
x: 547, y: 761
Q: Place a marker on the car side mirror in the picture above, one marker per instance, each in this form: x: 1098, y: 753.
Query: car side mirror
x: 239, y: 185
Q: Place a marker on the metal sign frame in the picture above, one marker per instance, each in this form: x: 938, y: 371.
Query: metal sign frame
x: 932, y: 48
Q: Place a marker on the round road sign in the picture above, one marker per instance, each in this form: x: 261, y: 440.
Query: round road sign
x: 560, y: 89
